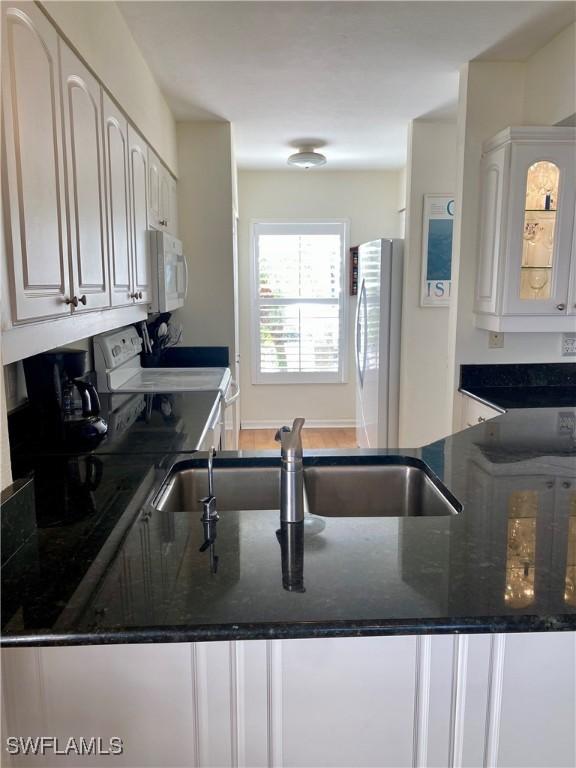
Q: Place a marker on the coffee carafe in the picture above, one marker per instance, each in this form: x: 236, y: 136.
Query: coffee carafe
x: 83, y: 426
x: 52, y: 380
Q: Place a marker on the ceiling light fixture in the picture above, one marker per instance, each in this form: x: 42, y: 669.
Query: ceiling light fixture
x: 306, y: 157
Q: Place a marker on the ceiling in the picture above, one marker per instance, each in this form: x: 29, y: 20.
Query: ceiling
x: 344, y: 75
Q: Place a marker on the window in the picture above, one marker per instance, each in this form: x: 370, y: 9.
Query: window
x: 298, y: 302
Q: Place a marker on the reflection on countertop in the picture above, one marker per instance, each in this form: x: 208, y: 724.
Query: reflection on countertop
x: 506, y: 562
x: 138, y: 423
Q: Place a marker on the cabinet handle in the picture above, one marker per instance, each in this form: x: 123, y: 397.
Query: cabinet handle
x: 164, y: 222
x: 140, y: 294
x: 73, y: 301
x: 134, y: 295
x: 481, y: 419
x: 83, y: 299
x: 561, y: 307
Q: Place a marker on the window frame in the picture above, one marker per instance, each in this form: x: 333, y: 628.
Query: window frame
x: 287, y: 227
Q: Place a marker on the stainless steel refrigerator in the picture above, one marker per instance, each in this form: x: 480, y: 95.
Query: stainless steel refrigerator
x: 377, y: 337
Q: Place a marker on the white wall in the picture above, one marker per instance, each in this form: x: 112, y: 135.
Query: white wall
x: 424, y: 376
x: 494, y: 98
x: 550, y: 92
x: 205, y: 219
x: 370, y: 201
x: 494, y: 95
x: 100, y: 34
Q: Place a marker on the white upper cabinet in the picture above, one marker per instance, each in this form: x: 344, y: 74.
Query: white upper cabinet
x: 162, y: 204
x: 85, y: 183
x: 526, y: 278
x: 117, y: 203
x: 165, y: 199
x: 154, y: 218
x: 78, y: 198
x: 37, y: 248
x: 172, y: 206
x: 138, y: 173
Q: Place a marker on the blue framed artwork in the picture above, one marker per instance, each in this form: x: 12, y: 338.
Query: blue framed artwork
x: 437, y: 230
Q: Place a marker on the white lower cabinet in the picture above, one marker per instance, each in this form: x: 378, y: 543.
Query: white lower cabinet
x: 469, y: 412
x: 474, y: 412
x: 346, y: 702
x: 499, y: 701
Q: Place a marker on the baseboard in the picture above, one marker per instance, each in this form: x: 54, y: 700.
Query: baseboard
x: 310, y: 424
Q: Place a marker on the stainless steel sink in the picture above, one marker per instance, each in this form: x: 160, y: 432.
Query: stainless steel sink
x: 375, y: 490
x: 378, y: 490
x: 234, y: 487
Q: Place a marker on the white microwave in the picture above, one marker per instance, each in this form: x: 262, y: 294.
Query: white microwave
x: 169, y: 272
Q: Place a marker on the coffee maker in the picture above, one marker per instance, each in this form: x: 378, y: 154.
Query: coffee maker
x: 52, y: 380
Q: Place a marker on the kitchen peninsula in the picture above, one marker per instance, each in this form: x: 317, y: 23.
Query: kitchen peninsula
x: 436, y: 618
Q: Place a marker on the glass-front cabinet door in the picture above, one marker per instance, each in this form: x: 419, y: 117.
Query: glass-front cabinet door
x: 540, y: 229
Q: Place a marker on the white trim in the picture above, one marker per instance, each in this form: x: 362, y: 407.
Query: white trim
x: 274, y: 703
x: 241, y: 704
x: 530, y: 133
x: 268, y: 226
x: 39, y: 655
x: 458, y: 700
x: 422, y: 701
x: 493, y: 719
x: 563, y: 321
x: 310, y: 423
x: 237, y: 714
x: 195, y: 704
x: 200, y: 690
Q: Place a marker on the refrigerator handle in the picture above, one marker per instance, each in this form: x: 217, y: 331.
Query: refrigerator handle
x: 361, y: 299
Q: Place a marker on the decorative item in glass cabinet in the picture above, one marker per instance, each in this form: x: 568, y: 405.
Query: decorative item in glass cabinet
x: 521, y: 548
x: 570, y: 583
x: 542, y: 183
x: 542, y: 186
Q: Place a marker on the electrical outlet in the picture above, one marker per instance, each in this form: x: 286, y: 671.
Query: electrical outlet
x: 568, y: 345
x: 495, y: 340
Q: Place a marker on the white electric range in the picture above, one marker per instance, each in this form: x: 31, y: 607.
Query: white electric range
x: 120, y: 372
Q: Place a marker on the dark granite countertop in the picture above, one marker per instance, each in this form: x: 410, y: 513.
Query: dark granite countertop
x: 526, y: 385
x: 507, y: 398
x: 112, y: 568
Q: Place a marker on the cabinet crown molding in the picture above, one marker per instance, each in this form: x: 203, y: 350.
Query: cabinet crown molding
x: 530, y: 133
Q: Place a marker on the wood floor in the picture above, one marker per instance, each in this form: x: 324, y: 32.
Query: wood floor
x: 263, y: 439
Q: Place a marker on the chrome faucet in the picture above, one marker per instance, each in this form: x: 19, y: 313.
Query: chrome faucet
x: 209, y: 501
x: 210, y: 515
x: 291, y: 473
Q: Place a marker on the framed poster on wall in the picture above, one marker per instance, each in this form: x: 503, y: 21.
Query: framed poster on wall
x: 438, y: 222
